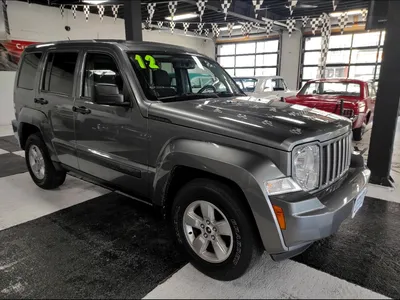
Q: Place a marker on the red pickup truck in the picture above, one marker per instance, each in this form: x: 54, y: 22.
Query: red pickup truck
x: 358, y: 99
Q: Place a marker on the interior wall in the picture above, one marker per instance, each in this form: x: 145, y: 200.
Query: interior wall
x: 6, y: 97
x: 43, y: 24
x: 290, y: 58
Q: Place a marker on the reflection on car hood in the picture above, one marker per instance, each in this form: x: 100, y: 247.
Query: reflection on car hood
x: 266, y: 122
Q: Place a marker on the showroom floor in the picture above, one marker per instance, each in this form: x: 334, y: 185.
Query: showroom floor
x: 83, y: 241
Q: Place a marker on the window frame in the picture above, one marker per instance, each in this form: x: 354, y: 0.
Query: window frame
x: 38, y: 69
x: 255, y: 67
x: 43, y: 69
x: 349, y: 64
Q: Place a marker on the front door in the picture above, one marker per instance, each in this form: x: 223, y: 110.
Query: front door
x: 111, y: 139
x: 55, y: 98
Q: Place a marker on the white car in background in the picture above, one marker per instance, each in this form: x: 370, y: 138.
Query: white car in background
x: 264, y: 86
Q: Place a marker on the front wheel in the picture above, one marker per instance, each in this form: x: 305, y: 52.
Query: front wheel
x: 214, y: 228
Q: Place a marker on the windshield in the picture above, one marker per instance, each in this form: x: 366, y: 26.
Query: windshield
x: 331, y: 88
x: 179, y: 77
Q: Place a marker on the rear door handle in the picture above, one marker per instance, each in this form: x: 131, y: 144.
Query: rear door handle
x: 83, y: 110
x: 41, y: 101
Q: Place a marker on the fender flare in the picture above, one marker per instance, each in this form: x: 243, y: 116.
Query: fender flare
x: 246, y: 168
x: 38, y: 119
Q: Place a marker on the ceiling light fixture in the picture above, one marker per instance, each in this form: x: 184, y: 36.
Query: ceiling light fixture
x: 183, y: 17
x: 234, y: 27
x: 349, y: 13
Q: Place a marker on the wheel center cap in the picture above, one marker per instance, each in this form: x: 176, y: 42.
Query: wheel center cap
x: 208, y: 229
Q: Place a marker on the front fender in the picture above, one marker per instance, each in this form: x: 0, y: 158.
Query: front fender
x: 38, y: 119
x: 249, y: 170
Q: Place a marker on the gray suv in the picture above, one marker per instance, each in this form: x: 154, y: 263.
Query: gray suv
x: 232, y: 174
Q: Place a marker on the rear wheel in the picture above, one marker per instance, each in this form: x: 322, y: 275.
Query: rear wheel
x: 39, y: 164
x: 213, y: 227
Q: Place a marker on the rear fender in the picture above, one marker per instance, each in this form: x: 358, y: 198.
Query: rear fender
x: 249, y: 170
x: 38, y: 119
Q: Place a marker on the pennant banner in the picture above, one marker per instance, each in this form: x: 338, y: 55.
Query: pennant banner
x: 314, y: 25
x: 268, y: 26
x: 291, y: 24
x: 201, y: 6
x: 257, y: 5
x: 215, y: 29
x: 151, y: 8
x: 304, y: 21
x: 325, y: 37
x: 86, y: 11
x: 225, y: 4
x: 73, y: 8
x: 115, y: 9
x: 186, y: 27
x: 101, y: 10
x: 62, y: 9
x: 343, y: 20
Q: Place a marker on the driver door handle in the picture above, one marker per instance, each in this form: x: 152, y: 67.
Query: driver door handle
x: 83, y: 110
x: 41, y: 101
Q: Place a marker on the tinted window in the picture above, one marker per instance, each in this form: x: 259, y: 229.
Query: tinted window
x: 100, y: 68
x: 27, y: 73
x: 59, y: 75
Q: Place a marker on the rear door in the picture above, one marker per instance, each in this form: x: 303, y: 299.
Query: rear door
x: 56, y: 98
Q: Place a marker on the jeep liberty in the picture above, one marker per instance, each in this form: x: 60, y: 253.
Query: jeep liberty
x: 232, y: 174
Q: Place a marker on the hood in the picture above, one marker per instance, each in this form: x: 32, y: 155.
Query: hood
x: 267, y: 122
x: 328, y: 103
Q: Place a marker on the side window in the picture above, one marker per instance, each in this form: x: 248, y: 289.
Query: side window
x: 100, y: 68
x: 59, y: 73
x: 27, y: 73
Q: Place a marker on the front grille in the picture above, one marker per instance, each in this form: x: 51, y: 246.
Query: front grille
x: 336, y: 157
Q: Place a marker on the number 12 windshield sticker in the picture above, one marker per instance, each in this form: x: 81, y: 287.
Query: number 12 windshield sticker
x: 150, y: 59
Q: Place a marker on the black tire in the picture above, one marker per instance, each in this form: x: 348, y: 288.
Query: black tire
x: 52, y: 177
x: 246, y: 244
x: 357, y: 134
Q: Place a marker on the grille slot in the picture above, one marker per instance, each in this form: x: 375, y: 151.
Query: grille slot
x: 336, y: 157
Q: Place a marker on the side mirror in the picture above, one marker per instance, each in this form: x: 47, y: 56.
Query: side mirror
x: 108, y: 94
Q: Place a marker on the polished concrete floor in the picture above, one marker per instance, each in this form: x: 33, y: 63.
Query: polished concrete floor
x: 82, y: 241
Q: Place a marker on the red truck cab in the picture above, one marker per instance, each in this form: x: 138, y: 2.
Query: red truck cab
x: 358, y: 98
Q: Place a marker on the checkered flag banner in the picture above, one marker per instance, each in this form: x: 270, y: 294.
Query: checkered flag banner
x: 257, y: 5
x: 335, y: 3
x: 364, y: 14
x: 200, y: 28
x: 172, y: 26
x: 225, y: 4
x: 206, y: 32
x: 246, y: 28
x: 314, y: 25
x: 304, y: 21
x: 230, y: 28
x: 186, y: 27
x: 115, y: 9
x: 5, y: 15
x: 291, y: 24
x: 62, y: 10
x: 201, y: 6
x: 151, y: 8
x: 343, y: 20
x: 215, y: 29
x: 172, y: 8
x: 292, y: 5
x: 86, y: 11
x: 101, y: 10
x: 325, y: 36
x: 73, y: 8
x: 160, y: 25
x: 268, y: 26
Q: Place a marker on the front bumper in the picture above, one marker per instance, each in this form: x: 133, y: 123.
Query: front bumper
x: 313, y: 217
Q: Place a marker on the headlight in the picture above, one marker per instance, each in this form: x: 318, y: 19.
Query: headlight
x: 306, y: 165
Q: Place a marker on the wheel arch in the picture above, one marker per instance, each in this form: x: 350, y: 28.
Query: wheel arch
x: 184, y: 160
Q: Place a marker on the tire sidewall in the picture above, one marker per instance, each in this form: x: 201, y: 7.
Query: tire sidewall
x: 35, y: 140
x: 243, y: 241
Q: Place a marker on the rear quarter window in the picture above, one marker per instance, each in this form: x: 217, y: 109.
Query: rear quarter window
x: 27, y: 72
